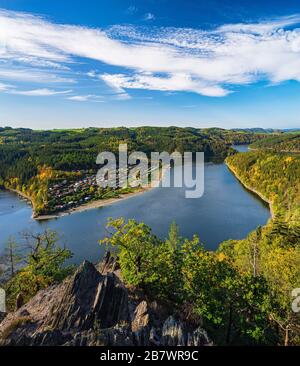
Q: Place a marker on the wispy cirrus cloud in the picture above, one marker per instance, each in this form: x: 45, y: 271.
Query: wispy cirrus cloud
x: 40, y: 63
x: 86, y: 98
x: 182, y: 82
x: 117, y: 87
x: 211, y: 63
x: 39, y: 92
x: 34, y: 76
x: 4, y: 87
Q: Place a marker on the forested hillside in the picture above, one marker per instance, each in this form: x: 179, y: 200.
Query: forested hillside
x: 272, y: 252
x: 240, y: 136
x: 289, y: 142
x: 275, y: 176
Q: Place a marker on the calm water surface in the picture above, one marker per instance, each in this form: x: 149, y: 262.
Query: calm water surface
x: 225, y: 211
x: 241, y: 148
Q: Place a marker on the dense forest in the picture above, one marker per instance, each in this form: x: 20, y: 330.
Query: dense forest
x: 33, y: 160
x: 273, y: 252
x: 241, y: 136
x: 289, y: 142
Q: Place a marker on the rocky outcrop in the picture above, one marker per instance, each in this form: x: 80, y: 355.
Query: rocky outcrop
x: 108, y: 264
x: 90, y: 299
x: 173, y: 333
x: 140, y: 324
x: 94, y: 308
x: 198, y: 337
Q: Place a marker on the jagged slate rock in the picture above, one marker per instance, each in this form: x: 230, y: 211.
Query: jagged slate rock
x: 18, y: 337
x: 140, y: 324
x: 91, y: 298
x: 154, y: 339
x: 117, y: 336
x: 108, y: 264
x: 93, y: 309
x: 173, y: 333
x: 199, y: 337
x: 50, y: 338
x: 75, y: 310
x: 141, y: 317
x: 111, y: 302
x: 79, y: 339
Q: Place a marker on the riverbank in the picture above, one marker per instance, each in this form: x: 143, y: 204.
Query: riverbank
x: 251, y: 189
x: 24, y: 196
x: 90, y: 205
x: 104, y: 202
x: 84, y: 207
x: 21, y: 194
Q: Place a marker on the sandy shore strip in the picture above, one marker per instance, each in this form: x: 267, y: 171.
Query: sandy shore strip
x: 94, y: 204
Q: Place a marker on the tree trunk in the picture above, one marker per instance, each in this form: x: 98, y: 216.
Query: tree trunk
x: 228, y: 335
x: 286, y: 339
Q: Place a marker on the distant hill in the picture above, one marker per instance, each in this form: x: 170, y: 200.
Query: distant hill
x: 257, y: 130
x: 288, y: 142
x: 292, y: 130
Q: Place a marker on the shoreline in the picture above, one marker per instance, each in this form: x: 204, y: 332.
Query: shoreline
x: 22, y: 195
x: 90, y: 205
x: 259, y: 194
x: 19, y: 193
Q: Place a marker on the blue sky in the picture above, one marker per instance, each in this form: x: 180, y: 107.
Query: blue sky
x: 149, y: 62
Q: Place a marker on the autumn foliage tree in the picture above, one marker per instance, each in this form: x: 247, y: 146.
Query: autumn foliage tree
x: 182, y: 274
x: 44, y: 265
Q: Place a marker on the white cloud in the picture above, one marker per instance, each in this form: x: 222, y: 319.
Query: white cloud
x: 182, y: 82
x: 92, y: 74
x: 39, y: 92
x: 122, y: 96
x: 41, y: 63
x: 169, y: 59
x: 86, y: 98
x: 4, y: 87
x: 263, y: 27
x: 34, y: 76
x: 112, y: 81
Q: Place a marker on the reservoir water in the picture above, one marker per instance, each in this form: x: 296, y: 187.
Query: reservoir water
x: 225, y: 211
